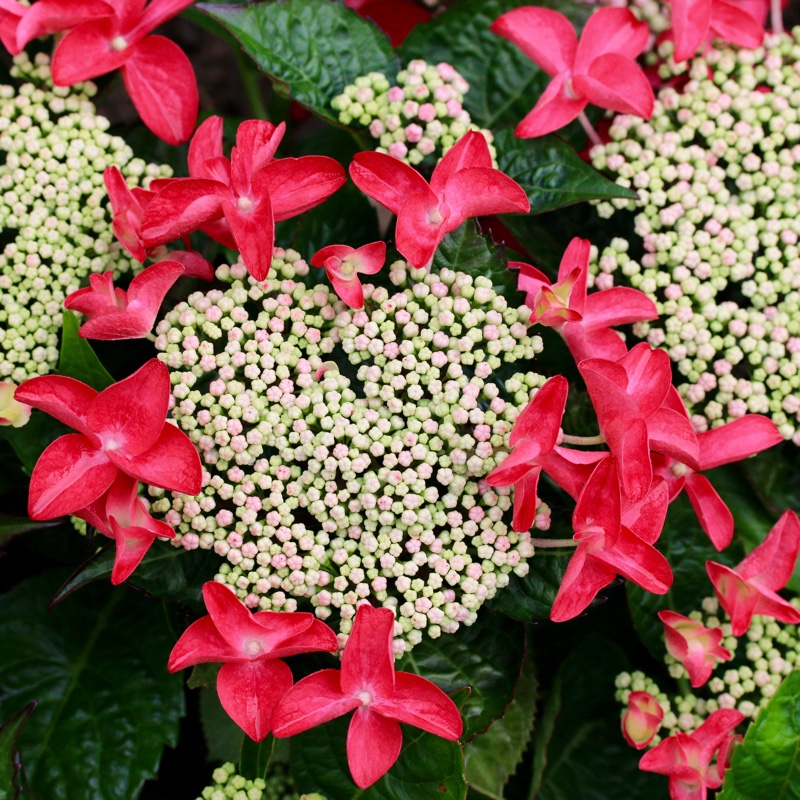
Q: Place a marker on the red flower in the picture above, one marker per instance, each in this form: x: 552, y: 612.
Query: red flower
x: 121, y: 515
x: 686, y: 758
x: 252, y: 679
x: 121, y: 429
x: 751, y: 588
x: 695, y: 21
x: 607, y: 547
x: 238, y: 201
x: 103, y: 37
x: 629, y: 397
x: 641, y: 720
x: 600, y: 69
x: 343, y: 264
x: 381, y: 698
x: 115, y: 314
x: 464, y: 184
x: 584, y: 321
x: 695, y: 646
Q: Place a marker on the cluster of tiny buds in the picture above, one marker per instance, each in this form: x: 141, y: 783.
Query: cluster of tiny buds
x: 655, y: 14
x: 718, y: 215
x: 421, y: 115
x: 276, y: 785
x: 53, y: 209
x: 762, y: 659
x: 335, y: 493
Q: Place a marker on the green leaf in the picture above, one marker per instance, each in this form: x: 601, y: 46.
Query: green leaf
x: 10, y: 761
x: 687, y: 548
x: 467, y: 250
x: 167, y: 572
x: 504, y: 83
x: 532, y: 597
x: 311, y: 49
x: 429, y: 767
x: 486, y: 656
x: 224, y: 738
x: 30, y: 441
x: 254, y: 757
x: 14, y: 526
x: 78, y: 360
x: 766, y: 766
x: 552, y: 173
x: 490, y: 759
x: 97, y: 667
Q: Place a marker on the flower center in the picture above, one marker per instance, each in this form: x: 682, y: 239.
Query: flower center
x: 679, y: 470
x: 365, y: 698
x: 253, y: 647
x: 347, y: 268
x: 569, y: 91
x: 435, y: 217
x: 119, y: 43
x: 244, y: 204
x: 111, y: 444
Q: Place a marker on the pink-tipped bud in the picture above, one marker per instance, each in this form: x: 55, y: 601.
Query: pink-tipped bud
x: 694, y: 645
x: 642, y: 719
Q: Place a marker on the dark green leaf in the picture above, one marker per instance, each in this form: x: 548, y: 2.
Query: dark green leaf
x: 14, y: 526
x: 223, y: 736
x: 97, y: 667
x: 10, y: 761
x: 167, y: 572
x: 552, y: 173
x: 532, y: 596
x: 429, y: 767
x: 490, y: 759
x: 466, y: 250
x: 486, y: 656
x: 504, y: 83
x: 78, y: 360
x: 312, y: 49
x: 766, y: 766
x: 775, y: 477
x: 687, y: 548
x: 254, y: 757
x: 30, y: 441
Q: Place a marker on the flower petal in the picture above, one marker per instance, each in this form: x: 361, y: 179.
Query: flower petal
x: 149, y: 288
x: 620, y: 305
x: 479, y: 192
x: 200, y: 643
x: 206, y: 143
x: 469, y: 152
x: 373, y: 745
x: 54, y: 16
x: 545, y: 36
x: 297, y: 184
x: 132, y: 544
x: 160, y: 80
x: 638, y: 562
x: 553, y: 111
x: 417, y: 234
x: 617, y: 83
x: 85, y: 52
x: 312, y: 701
x: 317, y: 637
x: 65, y: 399
x: 419, y: 702
x: 737, y: 440
x: 610, y: 30
x: 368, y: 659
x: 387, y: 179
x: 70, y: 474
x: 257, y: 142
x: 584, y: 578
x: 715, y: 517
x: 254, y: 233
x: 156, y: 13
x: 735, y: 25
x: 250, y: 692
x: 690, y: 21
x: 349, y: 291
x: 772, y: 562
x: 525, y: 500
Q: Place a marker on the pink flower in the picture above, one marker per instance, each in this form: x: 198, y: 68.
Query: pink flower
x: 535, y: 433
x: 629, y: 397
x: 115, y: 314
x: 751, y: 587
x: 343, y: 264
x: 253, y: 678
x: 686, y: 758
x: 726, y: 444
x: 122, y: 515
x: 121, y: 429
x: 102, y: 37
x: 129, y: 206
x: 584, y: 321
x: 464, y: 184
x: 641, y: 720
x: 695, y: 21
x: 238, y: 201
x: 695, y: 646
x: 606, y: 547
x: 600, y: 69
x: 381, y: 698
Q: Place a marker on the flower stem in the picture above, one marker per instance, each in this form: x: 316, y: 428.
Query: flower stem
x: 776, y: 17
x: 251, y: 82
x: 554, y: 543
x: 594, y: 137
x: 583, y: 441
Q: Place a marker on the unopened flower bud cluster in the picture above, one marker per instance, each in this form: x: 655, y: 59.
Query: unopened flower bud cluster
x: 421, y: 115
x: 718, y: 215
x: 276, y: 785
x: 656, y: 14
x: 762, y: 659
x: 341, y: 492
x: 53, y: 209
